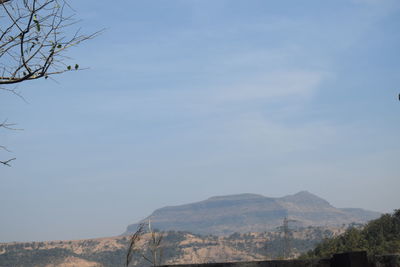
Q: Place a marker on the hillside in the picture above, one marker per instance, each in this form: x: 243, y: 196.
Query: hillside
x: 178, y: 248
x: 378, y: 237
x: 224, y: 215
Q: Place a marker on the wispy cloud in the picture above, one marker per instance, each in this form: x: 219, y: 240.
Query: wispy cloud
x: 274, y: 85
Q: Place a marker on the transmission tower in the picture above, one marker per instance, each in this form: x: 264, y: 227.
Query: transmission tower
x: 286, y: 237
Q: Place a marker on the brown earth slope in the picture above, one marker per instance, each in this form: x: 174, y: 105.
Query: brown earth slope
x: 178, y: 248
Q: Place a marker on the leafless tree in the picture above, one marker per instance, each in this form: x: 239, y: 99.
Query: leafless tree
x: 133, y: 241
x: 34, y: 38
x: 154, y: 247
x: 152, y: 252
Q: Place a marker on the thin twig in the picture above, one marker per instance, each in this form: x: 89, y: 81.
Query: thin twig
x: 6, y: 163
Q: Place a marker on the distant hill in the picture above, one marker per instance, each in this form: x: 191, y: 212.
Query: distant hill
x: 224, y: 215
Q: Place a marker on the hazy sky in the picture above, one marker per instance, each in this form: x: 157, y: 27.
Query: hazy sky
x: 187, y: 99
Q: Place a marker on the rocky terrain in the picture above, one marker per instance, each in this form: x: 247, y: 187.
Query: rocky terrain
x: 177, y: 248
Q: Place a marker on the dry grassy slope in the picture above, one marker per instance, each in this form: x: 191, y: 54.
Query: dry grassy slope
x: 199, y: 249
x: 73, y: 262
x: 180, y: 248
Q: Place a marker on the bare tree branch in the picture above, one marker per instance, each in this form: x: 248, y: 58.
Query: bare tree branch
x: 36, y: 40
x: 7, y: 162
x: 153, y: 252
x: 133, y: 242
x: 35, y: 36
x: 8, y: 126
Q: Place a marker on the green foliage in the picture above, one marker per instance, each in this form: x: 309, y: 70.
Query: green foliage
x: 380, y: 236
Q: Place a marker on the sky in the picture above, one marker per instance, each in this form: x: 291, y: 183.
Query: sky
x: 187, y: 99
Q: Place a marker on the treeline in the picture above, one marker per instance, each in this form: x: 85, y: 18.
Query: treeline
x: 378, y: 237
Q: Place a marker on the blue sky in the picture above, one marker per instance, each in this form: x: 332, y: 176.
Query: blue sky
x: 189, y: 99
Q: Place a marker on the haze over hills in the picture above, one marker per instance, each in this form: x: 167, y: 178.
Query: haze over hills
x: 252, y: 215
x: 223, y: 215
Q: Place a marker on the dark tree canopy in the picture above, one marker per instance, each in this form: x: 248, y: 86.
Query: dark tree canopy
x: 378, y: 237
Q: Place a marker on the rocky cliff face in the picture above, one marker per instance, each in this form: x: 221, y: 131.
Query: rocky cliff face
x: 243, y: 213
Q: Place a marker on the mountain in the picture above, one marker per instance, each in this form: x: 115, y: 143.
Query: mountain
x: 223, y: 215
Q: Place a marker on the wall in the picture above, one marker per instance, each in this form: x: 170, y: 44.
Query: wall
x: 352, y: 259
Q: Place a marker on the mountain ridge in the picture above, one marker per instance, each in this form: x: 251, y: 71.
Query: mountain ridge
x: 224, y: 215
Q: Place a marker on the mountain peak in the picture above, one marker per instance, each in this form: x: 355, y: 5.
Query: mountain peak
x: 237, y: 197
x: 306, y: 198
x: 304, y: 192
